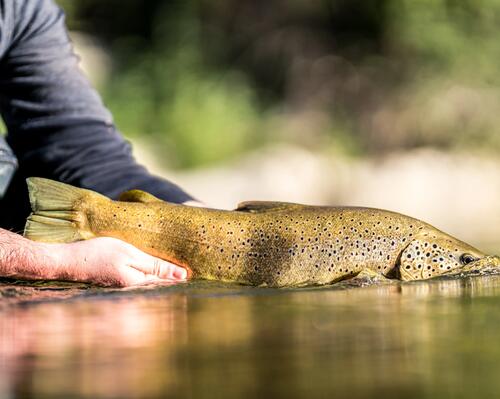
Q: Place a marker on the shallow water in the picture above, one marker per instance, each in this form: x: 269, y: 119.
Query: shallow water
x: 432, y: 339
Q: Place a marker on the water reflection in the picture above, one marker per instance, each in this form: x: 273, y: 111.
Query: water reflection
x: 426, y: 339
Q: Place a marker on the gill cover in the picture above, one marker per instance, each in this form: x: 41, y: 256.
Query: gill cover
x: 432, y: 255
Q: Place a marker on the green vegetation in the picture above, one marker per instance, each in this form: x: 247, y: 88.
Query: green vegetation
x: 194, y: 116
x: 209, y: 80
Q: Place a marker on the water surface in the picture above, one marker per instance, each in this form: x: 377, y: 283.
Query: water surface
x: 431, y: 339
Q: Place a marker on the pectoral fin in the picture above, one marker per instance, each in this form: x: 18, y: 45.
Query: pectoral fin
x: 266, y: 206
x: 138, y: 196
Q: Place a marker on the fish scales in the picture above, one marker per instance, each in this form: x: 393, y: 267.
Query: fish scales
x: 260, y: 243
x: 309, y: 245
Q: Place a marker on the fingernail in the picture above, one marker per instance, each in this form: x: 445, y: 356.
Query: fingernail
x: 180, y: 273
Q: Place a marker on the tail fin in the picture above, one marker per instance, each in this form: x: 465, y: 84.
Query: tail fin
x: 58, y: 211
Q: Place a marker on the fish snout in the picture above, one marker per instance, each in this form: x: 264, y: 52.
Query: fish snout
x: 490, y: 262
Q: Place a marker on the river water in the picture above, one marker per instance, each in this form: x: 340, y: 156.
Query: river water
x: 431, y: 339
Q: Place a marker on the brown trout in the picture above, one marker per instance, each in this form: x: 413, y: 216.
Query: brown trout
x: 259, y: 243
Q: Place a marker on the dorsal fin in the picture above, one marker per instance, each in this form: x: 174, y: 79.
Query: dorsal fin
x: 138, y: 196
x: 266, y: 206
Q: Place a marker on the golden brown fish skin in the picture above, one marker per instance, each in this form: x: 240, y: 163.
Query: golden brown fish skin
x: 300, y: 246
x: 273, y: 244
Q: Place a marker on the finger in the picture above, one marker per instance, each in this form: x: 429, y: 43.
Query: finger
x: 130, y: 276
x: 150, y: 279
x: 151, y: 265
x: 136, y: 278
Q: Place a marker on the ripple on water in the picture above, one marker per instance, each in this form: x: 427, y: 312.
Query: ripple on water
x: 362, y: 338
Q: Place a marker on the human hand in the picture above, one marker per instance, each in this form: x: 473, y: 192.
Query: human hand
x: 111, y: 262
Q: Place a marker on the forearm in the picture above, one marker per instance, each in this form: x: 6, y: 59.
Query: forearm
x: 25, y: 259
x: 57, y: 124
x: 91, y: 155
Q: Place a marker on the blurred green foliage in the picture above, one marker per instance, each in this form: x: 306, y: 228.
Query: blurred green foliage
x: 195, y: 117
x: 209, y: 80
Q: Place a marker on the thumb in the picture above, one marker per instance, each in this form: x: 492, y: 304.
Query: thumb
x: 157, y: 267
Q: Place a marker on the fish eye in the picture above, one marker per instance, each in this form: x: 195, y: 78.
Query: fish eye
x: 467, y: 258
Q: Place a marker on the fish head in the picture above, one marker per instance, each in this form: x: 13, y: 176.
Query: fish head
x: 435, y: 254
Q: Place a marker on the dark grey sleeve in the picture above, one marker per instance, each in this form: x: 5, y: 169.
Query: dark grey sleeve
x: 57, y: 125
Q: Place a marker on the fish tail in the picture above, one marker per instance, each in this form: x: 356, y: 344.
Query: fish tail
x: 58, y: 211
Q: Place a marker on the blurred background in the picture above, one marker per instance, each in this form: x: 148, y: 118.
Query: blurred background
x: 386, y: 103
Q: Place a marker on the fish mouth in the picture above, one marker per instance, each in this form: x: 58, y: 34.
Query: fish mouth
x: 486, y: 264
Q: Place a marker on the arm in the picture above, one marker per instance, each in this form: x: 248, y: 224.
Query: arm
x: 57, y: 125
x: 58, y: 128
x: 103, y: 261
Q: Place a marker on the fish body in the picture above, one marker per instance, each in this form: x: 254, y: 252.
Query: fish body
x: 259, y: 243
